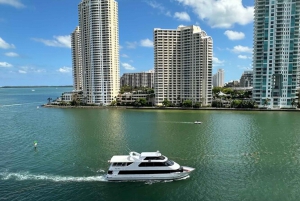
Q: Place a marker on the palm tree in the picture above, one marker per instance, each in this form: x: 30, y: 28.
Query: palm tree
x: 267, y: 100
x: 49, y: 99
x: 178, y: 99
x: 293, y: 103
x: 152, y: 95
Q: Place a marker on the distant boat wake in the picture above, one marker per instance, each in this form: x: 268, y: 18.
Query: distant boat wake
x: 176, y: 122
x: 19, y: 104
x: 22, y: 176
x: 25, y: 176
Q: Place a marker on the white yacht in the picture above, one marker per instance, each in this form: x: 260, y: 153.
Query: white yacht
x: 145, y: 166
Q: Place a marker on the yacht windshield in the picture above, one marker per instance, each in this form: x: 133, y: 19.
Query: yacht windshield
x: 169, y: 163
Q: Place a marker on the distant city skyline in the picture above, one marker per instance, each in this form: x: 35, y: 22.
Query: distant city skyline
x: 35, y: 42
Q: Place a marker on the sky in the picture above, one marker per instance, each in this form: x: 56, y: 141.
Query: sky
x: 35, y: 44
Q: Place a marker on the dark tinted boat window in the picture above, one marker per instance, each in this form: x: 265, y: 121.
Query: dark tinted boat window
x: 155, y: 164
x: 155, y: 158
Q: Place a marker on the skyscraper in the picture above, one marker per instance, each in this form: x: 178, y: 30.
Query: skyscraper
x: 99, y: 35
x: 247, y: 79
x: 76, y: 59
x: 182, y: 65
x: 143, y: 79
x: 276, y: 58
x: 218, y: 78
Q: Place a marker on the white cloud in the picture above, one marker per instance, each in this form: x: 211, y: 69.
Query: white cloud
x: 5, y: 65
x: 146, y: 43
x: 244, y: 57
x: 22, y: 71
x: 30, y: 69
x: 234, y: 35
x: 244, y: 67
x: 240, y: 49
x: 65, y: 70
x: 131, y: 45
x: 5, y: 45
x: 217, y: 62
x: 221, y: 13
x: 160, y: 7
x: 14, y: 3
x: 127, y: 66
x: 124, y: 55
x: 183, y: 16
x: 11, y: 54
x: 58, y: 41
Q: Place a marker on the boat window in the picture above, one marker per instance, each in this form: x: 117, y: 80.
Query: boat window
x: 169, y: 163
x: 152, y: 164
x: 121, y: 164
x: 148, y: 171
x: 109, y: 172
x: 155, y: 158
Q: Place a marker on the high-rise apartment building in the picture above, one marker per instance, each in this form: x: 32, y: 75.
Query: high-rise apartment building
x: 247, y: 79
x: 182, y: 65
x: 218, y: 78
x: 76, y: 59
x: 276, y: 58
x: 143, y: 79
x: 99, y: 35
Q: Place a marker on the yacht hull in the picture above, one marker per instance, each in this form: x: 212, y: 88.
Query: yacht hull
x: 136, y: 177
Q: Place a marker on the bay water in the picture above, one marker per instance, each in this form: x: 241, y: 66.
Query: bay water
x: 238, y: 155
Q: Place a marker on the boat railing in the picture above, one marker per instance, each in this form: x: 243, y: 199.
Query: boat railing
x: 133, y: 153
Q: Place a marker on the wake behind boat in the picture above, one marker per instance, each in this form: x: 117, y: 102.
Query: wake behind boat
x: 145, y: 166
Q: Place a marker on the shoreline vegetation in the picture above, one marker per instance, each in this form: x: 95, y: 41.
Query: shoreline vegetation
x: 169, y: 108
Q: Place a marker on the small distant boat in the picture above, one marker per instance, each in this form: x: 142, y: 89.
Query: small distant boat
x: 197, y: 122
x: 37, y: 107
x: 32, y: 90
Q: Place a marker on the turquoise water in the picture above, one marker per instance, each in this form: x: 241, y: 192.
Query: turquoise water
x: 237, y: 155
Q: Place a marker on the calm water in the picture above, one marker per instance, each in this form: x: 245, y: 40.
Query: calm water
x: 237, y: 155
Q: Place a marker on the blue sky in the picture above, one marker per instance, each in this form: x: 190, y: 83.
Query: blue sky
x: 35, y: 36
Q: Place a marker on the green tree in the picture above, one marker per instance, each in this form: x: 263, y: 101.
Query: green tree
x: 113, y: 103
x: 227, y: 90
x: 187, y: 103
x: 293, y: 103
x: 197, y: 105
x: 266, y: 102
x: 216, y: 90
x: 142, y: 101
x: 166, y: 103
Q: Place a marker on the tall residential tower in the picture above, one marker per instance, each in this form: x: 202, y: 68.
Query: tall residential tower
x: 76, y: 59
x: 99, y: 35
x: 218, y: 78
x: 182, y: 65
x: 276, y: 59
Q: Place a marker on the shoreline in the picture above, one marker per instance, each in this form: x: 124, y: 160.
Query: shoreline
x: 170, y: 108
